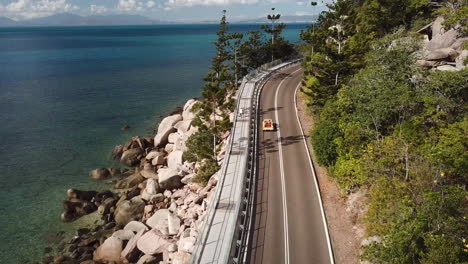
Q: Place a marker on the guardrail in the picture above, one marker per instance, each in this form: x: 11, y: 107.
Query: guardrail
x: 225, y: 236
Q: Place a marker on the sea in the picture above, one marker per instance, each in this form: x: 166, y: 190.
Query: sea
x: 65, y: 94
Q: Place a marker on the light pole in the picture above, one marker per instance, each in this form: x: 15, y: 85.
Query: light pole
x: 273, y: 18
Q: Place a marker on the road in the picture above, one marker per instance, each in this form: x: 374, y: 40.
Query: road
x: 289, y: 221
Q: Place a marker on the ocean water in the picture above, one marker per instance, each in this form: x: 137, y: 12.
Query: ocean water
x: 65, y: 92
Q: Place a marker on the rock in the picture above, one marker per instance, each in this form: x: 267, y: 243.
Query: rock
x: 125, y: 127
x: 187, y: 113
x: 131, y: 157
x: 152, y: 243
x: 172, y: 247
x: 188, y: 178
x: 81, y: 195
x: 164, y: 221
x: 425, y: 63
x: 460, y: 60
x: 131, y: 181
x: 169, y: 179
x: 183, y: 126
x: 153, y: 154
x: 136, y: 226
x: 109, y: 251
x: 169, y: 147
x: 181, y: 258
x: 159, y: 160
x: 443, y: 53
x: 117, y: 152
x: 446, y: 68
x: 129, y: 210
x: 75, y: 208
x: 165, y: 128
x: 99, y: 174
x: 186, y: 244
x: 148, y: 259
x: 106, y: 205
x: 457, y: 45
x: 173, y: 137
x: 131, y: 252
x: 123, y: 234
x: 175, y: 160
x: 149, y: 174
x: 370, y: 240
x: 152, y: 192
x: 440, y: 37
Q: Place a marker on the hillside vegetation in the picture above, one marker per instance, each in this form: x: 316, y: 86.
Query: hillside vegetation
x: 392, y: 119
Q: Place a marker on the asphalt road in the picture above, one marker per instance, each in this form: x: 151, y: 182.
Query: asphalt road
x: 289, y: 222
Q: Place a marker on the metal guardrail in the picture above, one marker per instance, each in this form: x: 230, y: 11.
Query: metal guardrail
x: 232, y: 246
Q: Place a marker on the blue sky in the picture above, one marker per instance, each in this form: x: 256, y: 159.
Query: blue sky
x: 169, y: 10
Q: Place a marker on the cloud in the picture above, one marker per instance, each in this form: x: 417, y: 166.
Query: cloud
x: 209, y: 2
x: 27, y: 9
x: 150, y: 4
x: 97, y: 9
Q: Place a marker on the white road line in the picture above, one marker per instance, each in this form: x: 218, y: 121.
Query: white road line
x: 283, y: 181
x: 324, y: 219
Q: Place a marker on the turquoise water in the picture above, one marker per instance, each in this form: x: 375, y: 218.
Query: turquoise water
x: 64, y: 95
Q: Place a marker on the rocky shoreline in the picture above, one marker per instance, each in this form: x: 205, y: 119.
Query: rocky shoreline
x: 155, y: 209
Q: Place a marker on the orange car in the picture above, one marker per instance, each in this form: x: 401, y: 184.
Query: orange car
x: 268, y: 125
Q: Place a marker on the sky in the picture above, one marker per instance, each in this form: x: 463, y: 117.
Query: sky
x: 167, y: 10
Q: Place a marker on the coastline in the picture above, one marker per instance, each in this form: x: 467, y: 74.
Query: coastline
x: 154, y: 209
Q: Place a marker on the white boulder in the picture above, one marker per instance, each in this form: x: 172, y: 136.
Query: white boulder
x: 165, y: 128
x: 109, y: 251
x: 169, y: 179
x: 136, y: 226
x: 152, y: 243
x: 174, y: 160
x: 165, y: 222
x: 187, y: 114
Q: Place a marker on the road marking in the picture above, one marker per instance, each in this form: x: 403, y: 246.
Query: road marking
x: 324, y: 219
x: 283, y: 181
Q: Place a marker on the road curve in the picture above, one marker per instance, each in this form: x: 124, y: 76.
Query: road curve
x: 289, y: 224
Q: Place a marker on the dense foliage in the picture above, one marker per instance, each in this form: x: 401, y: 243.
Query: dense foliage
x: 389, y: 126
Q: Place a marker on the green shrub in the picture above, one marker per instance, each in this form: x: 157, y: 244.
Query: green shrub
x: 207, y: 169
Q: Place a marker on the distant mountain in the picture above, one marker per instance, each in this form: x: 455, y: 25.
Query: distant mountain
x: 6, y: 22
x: 67, y: 19
x: 283, y: 19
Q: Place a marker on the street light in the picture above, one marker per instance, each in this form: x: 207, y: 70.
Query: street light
x: 273, y: 18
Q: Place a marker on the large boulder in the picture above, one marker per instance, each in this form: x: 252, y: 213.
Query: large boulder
x: 129, y: 210
x: 153, y: 154
x: 152, y: 191
x: 183, y: 126
x: 187, y: 114
x: 136, y: 226
x: 123, y: 234
x: 152, y: 243
x: 149, y: 174
x: 440, y: 37
x: 109, y: 251
x: 174, y: 160
x: 444, y: 53
x: 169, y: 179
x: 173, y: 137
x: 131, y: 252
x: 165, y: 128
x: 164, y: 221
x: 131, y: 157
x: 99, y: 174
x: 181, y: 258
x: 186, y: 244
x: 460, y: 60
x: 131, y: 181
x: 159, y: 160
